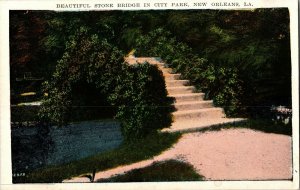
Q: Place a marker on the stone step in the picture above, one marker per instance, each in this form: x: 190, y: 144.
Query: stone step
x: 198, y: 125
x: 180, y: 89
x: 172, y: 83
x: 171, y: 76
x: 159, y: 64
x: 188, y: 97
x: 193, y: 105
x: 155, y: 62
x: 145, y: 59
x: 199, y: 114
x: 166, y: 70
x: 130, y: 61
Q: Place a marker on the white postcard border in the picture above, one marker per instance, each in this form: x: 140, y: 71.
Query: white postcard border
x: 5, y: 143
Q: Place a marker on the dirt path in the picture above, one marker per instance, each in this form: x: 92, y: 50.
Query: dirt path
x: 229, y: 154
x: 238, y: 154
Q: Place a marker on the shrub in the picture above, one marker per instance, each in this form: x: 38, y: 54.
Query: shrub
x: 143, y: 106
x: 160, y: 42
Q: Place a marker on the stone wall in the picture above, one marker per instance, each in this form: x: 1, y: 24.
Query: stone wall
x: 39, y: 146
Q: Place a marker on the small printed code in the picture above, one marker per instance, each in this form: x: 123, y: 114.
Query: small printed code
x: 19, y: 174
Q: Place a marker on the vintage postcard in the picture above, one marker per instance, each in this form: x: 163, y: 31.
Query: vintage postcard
x: 149, y: 94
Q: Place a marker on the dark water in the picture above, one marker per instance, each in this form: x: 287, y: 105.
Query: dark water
x: 40, y: 146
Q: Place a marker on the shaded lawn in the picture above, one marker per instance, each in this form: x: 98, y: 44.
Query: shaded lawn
x: 169, y: 170
x: 127, y: 153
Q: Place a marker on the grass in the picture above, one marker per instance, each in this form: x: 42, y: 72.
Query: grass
x: 264, y: 125
x: 170, y: 170
x: 127, y: 153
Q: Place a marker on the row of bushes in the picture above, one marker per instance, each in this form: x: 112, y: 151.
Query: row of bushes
x: 92, y: 75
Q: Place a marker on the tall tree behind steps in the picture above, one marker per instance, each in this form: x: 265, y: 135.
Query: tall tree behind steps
x: 263, y: 56
x: 27, y: 29
x: 257, y: 42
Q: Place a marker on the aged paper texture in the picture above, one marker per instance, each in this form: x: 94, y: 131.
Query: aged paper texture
x: 149, y: 94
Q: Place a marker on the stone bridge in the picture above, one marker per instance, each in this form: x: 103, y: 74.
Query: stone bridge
x: 192, y: 111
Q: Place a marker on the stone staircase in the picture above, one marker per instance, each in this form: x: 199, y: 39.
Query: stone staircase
x: 192, y: 111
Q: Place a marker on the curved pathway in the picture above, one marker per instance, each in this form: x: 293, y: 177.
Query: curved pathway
x: 228, y: 154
